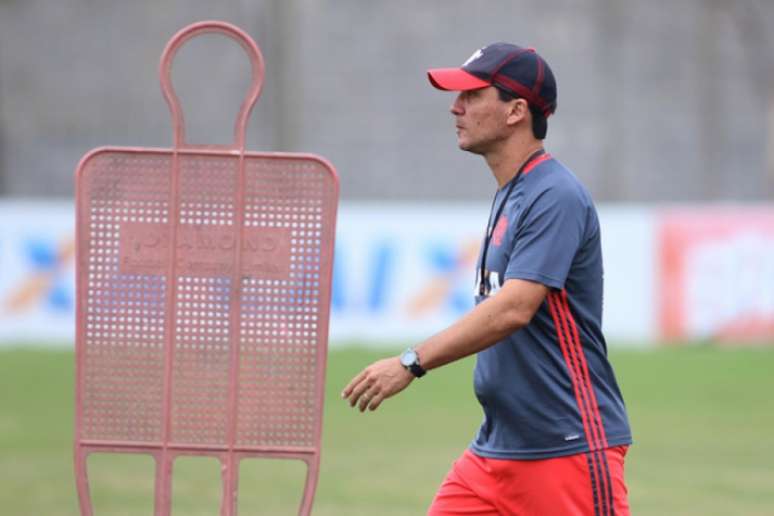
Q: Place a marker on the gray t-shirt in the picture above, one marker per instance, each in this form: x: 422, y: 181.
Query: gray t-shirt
x: 548, y: 389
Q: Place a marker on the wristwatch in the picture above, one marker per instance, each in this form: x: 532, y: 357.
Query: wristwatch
x: 410, y: 360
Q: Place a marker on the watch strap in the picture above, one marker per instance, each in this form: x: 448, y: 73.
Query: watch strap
x: 417, y: 370
x: 413, y: 367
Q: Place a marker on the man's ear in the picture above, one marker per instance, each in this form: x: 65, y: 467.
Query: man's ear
x: 518, y: 110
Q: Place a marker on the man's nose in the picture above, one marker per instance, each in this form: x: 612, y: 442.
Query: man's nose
x: 456, y: 107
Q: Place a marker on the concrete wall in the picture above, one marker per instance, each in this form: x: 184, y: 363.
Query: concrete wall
x: 658, y: 100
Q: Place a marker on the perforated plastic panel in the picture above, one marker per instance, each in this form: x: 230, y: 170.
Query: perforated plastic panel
x: 123, y: 315
x: 203, y: 300
x: 284, y: 311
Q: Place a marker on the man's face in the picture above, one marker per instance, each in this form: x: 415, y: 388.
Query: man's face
x: 480, y: 118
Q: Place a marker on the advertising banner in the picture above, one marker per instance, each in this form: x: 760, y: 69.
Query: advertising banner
x: 405, y: 271
x: 716, y: 278
x: 37, y: 271
x: 401, y: 271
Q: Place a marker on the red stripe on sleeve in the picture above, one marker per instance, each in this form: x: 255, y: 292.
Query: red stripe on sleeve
x: 563, y: 333
x: 584, y: 370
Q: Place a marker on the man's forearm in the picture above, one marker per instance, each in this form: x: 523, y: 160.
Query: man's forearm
x: 488, y: 323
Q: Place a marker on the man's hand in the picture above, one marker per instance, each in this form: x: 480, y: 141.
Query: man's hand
x: 376, y: 383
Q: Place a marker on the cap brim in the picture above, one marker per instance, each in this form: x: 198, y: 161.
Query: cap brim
x: 454, y: 79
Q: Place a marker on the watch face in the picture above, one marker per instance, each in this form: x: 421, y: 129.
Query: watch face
x: 408, y: 357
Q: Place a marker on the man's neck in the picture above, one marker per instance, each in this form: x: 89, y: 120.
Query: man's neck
x: 506, y: 163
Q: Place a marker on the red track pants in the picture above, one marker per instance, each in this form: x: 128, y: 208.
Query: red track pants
x: 586, y: 484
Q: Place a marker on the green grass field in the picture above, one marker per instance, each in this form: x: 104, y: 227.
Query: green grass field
x: 702, y: 419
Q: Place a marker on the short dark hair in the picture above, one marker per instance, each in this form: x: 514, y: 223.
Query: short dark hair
x: 539, y: 122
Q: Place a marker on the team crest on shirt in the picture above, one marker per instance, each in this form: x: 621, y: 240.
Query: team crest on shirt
x: 499, y: 231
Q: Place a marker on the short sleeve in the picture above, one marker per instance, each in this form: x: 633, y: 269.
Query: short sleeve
x: 547, y: 237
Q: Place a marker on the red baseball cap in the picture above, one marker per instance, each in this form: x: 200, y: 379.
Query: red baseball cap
x: 519, y: 71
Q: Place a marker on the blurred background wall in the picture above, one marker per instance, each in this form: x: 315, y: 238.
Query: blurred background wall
x: 658, y: 100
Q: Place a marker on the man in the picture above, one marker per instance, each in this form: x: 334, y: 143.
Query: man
x: 555, y: 430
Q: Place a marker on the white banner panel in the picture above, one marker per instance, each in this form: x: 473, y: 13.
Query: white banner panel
x: 629, y: 256
x: 37, y: 272
x: 402, y: 271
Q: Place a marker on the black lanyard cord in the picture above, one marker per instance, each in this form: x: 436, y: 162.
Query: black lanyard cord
x: 483, y: 279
